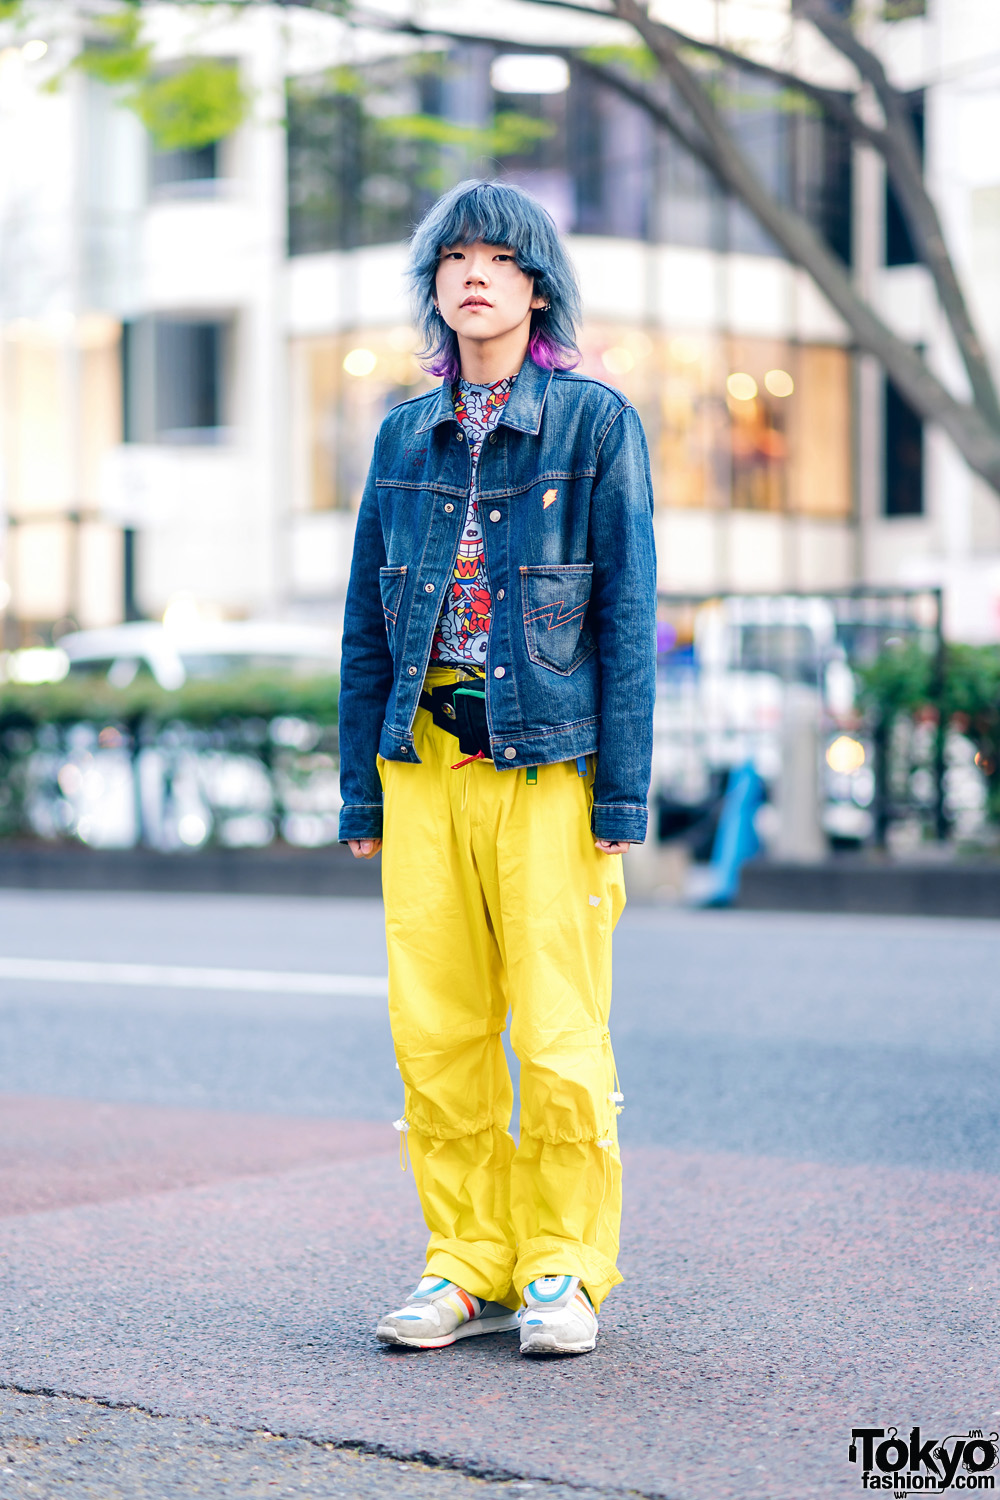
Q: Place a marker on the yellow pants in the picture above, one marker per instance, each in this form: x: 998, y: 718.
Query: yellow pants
x: 497, y: 899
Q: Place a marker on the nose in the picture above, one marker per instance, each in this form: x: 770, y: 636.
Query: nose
x: 475, y: 276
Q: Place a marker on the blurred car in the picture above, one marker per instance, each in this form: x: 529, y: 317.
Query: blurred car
x: 722, y: 699
x: 185, y: 785
x: 172, y: 654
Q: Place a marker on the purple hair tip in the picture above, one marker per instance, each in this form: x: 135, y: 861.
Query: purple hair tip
x: 545, y: 353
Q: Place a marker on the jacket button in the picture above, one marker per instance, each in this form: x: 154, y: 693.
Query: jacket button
x: 499, y: 671
x: 509, y: 753
x: 493, y: 437
x: 403, y: 750
x: 412, y: 671
x: 449, y: 508
x: 428, y: 588
x: 494, y: 515
x: 459, y: 437
x: 500, y: 593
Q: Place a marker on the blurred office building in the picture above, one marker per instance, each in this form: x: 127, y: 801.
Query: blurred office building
x: 198, y: 345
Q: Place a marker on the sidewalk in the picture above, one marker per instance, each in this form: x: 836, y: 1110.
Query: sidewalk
x: 235, y: 1273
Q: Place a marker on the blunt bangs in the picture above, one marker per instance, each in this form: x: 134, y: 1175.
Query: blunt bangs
x: 498, y: 214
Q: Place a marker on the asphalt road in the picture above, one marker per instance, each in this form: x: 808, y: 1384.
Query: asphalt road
x: 843, y: 1040
x: 201, y: 1213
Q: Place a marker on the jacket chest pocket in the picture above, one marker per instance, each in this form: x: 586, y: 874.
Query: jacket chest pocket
x: 554, y: 602
x: 391, y: 582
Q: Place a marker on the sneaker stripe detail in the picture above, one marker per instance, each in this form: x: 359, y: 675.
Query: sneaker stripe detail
x: 467, y: 1300
x: 563, y: 1288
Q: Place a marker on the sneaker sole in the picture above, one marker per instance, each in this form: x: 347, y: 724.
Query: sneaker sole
x: 546, y: 1343
x: 473, y: 1329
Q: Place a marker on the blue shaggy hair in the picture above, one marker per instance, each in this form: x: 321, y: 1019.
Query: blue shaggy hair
x: 498, y: 214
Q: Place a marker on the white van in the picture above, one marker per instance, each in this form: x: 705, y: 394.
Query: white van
x: 172, y: 654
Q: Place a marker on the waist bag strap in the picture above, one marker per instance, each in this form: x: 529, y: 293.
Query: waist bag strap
x: 461, y: 710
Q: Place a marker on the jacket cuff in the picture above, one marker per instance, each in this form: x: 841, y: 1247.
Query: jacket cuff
x: 619, y: 822
x: 360, y: 821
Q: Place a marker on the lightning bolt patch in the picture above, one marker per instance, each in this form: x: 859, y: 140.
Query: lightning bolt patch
x: 549, y: 498
x: 556, y: 614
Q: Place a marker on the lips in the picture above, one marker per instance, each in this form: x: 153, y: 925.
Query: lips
x: 476, y: 302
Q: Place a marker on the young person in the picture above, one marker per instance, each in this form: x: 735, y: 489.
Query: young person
x: 495, y: 728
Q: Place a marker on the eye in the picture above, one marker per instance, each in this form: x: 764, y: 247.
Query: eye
x: 453, y: 255
x: 505, y: 256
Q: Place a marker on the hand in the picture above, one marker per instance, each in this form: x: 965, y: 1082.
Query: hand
x: 612, y: 846
x: 364, y: 848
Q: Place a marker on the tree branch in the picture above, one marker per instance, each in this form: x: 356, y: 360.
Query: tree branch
x: 831, y: 101
x: 629, y: 89
x: 902, y: 159
x: 976, y: 437
x: 711, y: 142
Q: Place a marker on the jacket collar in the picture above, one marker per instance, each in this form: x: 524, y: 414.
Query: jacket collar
x: 524, y: 407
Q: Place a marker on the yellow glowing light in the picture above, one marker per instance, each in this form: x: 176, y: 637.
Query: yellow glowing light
x: 360, y: 362
x: 741, y: 387
x: 779, y: 382
x: 34, y: 50
x: 618, y: 360
x: 403, y: 339
x: 638, y: 343
x: 845, y: 755
x: 684, y: 350
x: 182, y: 613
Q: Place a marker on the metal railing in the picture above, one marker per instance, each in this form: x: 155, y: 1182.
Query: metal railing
x: 738, y: 671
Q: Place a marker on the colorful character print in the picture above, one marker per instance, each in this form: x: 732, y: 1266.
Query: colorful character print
x: 463, y: 629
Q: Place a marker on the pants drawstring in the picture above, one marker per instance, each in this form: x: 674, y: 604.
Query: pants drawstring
x: 402, y: 1125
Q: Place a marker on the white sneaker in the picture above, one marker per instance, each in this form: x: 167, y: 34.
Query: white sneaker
x: 439, y: 1312
x: 557, y: 1317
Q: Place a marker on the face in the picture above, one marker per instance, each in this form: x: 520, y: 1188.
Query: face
x: 482, y: 293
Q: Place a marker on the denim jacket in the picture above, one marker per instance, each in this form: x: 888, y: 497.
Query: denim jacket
x: 565, y: 501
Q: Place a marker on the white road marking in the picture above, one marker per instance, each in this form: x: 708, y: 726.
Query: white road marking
x: 169, y: 976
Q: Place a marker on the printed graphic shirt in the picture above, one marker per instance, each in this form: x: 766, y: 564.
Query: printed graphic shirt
x: 463, y: 628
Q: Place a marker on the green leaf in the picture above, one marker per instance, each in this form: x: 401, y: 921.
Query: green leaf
x: 636, y: 60
x: 899, y: 680
x: 508, y: 135
x: 116, y: 56
x: 201, y: 103
x: 966, y: 695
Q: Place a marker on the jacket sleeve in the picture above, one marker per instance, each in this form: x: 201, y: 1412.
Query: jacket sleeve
x: 623, y: 620
x: 365, y: 676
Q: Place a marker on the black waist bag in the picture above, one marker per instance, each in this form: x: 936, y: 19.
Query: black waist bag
x: 460, y: 708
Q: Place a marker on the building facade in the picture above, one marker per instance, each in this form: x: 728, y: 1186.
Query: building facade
x: 198, y: 346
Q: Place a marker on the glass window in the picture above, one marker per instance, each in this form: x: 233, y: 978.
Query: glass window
x: 899, y: 246
x: 194, y: 165
x: 344, y: 385
x: 756, y: 424
x: 819, y: 413
x: 175, y: 380
x: 365, y: 160
x: 355, y: 177
x: 904, y: 456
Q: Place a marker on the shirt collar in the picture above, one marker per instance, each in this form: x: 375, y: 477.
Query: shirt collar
x: 524, y: 407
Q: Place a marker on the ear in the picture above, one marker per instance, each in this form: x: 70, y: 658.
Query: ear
x: 540, y: 304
